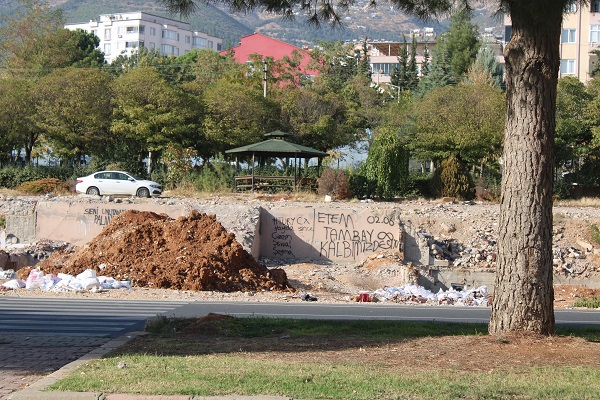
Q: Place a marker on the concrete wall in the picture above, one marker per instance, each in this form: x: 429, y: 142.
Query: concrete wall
x: 22, y: 226
x: 328, y: 233
x: 79, y: 223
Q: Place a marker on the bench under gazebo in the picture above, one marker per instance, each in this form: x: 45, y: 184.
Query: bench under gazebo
x: 275, y: 147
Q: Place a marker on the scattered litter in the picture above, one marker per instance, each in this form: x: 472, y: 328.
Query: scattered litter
x: 414, y: 294
x: 307, y: 297
x: 7, y: 274
x: 87, y: 281
x: 14, y: 284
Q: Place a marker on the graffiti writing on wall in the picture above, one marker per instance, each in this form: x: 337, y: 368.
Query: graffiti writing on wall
x: 348, y: 236
x: 102, y: 216
x: 328, y: 234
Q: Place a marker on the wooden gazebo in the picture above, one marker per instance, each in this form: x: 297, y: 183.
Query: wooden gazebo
x: 274, y: 147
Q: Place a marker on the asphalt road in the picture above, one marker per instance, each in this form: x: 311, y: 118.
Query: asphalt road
x: 113, y: 318
x: 367, y: 311
x: 77, y: 317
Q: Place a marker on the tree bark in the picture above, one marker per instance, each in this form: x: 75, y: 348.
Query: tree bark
x: 524, y: 295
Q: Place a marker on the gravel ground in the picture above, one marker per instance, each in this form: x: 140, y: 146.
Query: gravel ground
x: 469, y: 227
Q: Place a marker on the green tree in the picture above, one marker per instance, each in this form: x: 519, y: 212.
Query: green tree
x: 438, y: 71
x: 387, y: 164
x: 425, y: 64
x: 17, y: 118
x: 22, y: 37
x: 399, y: 76
x: 573, y: 125
x: 172, y: 69
x: 524, y: 295
x: 465, y: 121
x: 412, y: 74
x: 85, y: 49
x: 461, y: 43
x: 335, y: 64
x: 364, y: 67
x: 149, y: 113
x: 73, y: 110
x: 236, y: 115
x: 208, y: 67
x: 319, y: 119
x: 485, y: 69
x: 34, y: 42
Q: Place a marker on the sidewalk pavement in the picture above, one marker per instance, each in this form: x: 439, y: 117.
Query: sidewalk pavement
x: 36, y: 391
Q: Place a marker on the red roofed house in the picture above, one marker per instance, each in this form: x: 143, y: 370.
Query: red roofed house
x: 257, y: 43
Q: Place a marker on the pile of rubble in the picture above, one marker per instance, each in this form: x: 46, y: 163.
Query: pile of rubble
x: 571, y: 259
x: 156, y: 251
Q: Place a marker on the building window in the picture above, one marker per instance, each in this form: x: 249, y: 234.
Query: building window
x: 568, y: 35
x: 200, y: 42
x: 385, y: 68
x: 595, y: 6
x: 107, y: 34
x: 169, y: 34
x: 594, y: 33
x: 567, y: 67
x: 572, y: 8
x: 94, y: 32
x: 153, y: 31
x: 132, y: 45
x: 169, y: 50
x: 142, y: 29
x: 219, y: 47
x: 187, y: 39
x: 210, y: 44
x: 131, y: 29
x: 107, y: 49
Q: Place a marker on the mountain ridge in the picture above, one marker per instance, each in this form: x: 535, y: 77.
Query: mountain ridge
x: 381, y: 23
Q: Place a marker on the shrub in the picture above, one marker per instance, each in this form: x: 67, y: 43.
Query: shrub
x: 12, y: 177
x: 561, y: 189
x: 452, y: 179
x: 420, y: 184
x: 43, y: 186
x: 214, y: 177
x: 488, y: 190
x: 334, y: 182
x: 360, y: 185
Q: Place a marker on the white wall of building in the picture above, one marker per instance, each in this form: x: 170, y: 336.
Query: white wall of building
x: 124, y: 33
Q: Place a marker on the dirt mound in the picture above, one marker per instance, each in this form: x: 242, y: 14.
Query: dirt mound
x: 152, y: 250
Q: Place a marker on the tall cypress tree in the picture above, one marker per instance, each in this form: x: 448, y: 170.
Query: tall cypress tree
x: 412, y: 75
x: 425, y: 65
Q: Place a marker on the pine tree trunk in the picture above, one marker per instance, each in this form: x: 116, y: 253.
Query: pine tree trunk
x: 524, y: 295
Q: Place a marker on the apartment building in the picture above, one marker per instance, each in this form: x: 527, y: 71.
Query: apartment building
x: 383, y: 55
x: 124, y: 33
x: 579, y: 37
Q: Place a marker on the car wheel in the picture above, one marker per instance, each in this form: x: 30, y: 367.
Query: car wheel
x: 93, y: 191
x: 143, y: 192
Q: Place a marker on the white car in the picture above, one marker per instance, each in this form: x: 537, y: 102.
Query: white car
x: 117, y: 183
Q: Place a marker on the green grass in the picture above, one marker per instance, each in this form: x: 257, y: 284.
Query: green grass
x: 594, y: 302
x: 595, y: 233
x: 245, y: 373
x: 258, y: 327
x: 213, y: 375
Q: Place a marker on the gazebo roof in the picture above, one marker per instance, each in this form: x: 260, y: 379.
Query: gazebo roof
x: 277, y: 147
